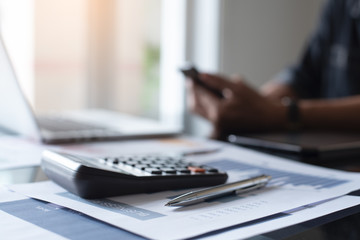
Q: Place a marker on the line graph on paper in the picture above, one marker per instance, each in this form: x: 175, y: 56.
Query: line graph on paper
x: 280, y: 177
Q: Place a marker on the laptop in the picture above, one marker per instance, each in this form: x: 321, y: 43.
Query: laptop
x: 73, y: 126
x: 306, y: 145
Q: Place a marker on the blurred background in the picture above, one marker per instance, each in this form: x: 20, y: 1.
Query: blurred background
x: 125, y: 55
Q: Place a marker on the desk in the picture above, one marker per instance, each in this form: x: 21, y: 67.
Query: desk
x: 339, y: 225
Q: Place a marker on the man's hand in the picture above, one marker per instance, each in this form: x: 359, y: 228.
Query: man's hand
x: 241, y: 110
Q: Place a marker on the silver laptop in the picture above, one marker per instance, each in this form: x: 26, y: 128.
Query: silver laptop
x: 17, y: 116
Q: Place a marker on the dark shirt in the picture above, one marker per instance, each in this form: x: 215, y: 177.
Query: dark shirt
x: 330, y: 65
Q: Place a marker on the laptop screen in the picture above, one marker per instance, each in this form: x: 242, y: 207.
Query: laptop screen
x: 16, y: 114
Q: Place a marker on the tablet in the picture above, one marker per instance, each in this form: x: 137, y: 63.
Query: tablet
x: 321, y: 145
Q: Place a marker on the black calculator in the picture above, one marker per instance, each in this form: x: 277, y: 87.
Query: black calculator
x: 127, y: 174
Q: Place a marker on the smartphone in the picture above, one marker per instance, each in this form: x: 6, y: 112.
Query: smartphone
x: 192, y: 73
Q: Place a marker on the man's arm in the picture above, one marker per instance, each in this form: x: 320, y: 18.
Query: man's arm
x: 274, y: 90
x: 333, y: 114
x: 323, y: 114
x: 245, y: 110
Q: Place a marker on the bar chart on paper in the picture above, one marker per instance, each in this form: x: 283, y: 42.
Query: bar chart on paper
x: 50, y: 221
x: 293, y: 185
x: 280, y: 177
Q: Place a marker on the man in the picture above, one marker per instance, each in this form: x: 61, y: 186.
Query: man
x: 321, y: 92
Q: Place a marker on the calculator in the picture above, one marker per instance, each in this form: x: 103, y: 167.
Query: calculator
x: 91, y: 178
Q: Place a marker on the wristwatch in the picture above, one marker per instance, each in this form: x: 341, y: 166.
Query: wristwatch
x: 293, y: 113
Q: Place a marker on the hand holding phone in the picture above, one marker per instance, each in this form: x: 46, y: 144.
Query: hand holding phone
x: 192, y: 73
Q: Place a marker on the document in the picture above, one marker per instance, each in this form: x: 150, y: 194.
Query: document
x: 19, y: 152
x: 25, y: 218
x: 293, y: 185
x: 286, y: 219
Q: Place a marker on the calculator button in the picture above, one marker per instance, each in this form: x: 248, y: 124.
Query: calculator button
x: 173, y: 166
x: 195, y: 169
x: 132, y: 164
x: 168, y: 170
x: 153, y: 170
x: 145, y: 161
x: 182, y: 166
x: 183, y: 170
x: 157, y: 165
x: 210, y: 169
x: 141, y: 166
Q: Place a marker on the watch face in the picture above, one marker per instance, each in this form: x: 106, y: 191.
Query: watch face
x: 293, y: 113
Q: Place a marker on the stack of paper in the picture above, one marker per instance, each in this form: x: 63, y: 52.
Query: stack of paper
x: 294, y: 185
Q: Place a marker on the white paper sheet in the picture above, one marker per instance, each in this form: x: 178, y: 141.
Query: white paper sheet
x: 19, y: 152
x: 13, y: 227
x: 25, y: 218
x: 305, y: 214
x: 293, y: 185
x: 46, y: 220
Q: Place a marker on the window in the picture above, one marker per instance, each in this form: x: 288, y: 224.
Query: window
x: 98, y: 54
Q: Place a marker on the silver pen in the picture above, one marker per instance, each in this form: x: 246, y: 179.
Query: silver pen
x: 238, y: 187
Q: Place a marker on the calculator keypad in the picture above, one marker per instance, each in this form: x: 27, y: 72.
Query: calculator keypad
x: 157, y: 165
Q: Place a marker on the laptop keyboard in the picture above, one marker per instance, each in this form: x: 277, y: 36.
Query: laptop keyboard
x: 58, y: 124
x: 62, y: 130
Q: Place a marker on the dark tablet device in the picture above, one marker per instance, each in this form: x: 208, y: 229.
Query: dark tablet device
x: 127, y: 174
x: 320, y: 145
x: 192, y: 73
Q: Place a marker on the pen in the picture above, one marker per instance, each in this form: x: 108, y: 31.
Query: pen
x: 200, y: 152
x: 238, y: 187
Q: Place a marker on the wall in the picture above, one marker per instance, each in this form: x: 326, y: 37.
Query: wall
x: 259, y: 37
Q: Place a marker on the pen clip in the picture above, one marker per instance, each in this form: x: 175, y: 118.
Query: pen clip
x: 200, y: 151
x: 250, y: 188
